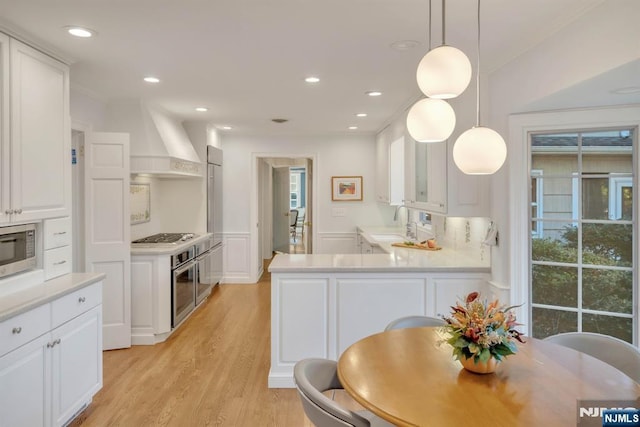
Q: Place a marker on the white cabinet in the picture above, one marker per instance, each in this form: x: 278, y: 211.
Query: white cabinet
x: 150, y: 299
x: 382, y: 170
x: 390, y: 169
x: 25, y: 384
x: 5, y: 135
x: 52, y: 377
x: 433, y: 183
x: 452, y: 287
x: 35, y: 164
x: 340, y: 307
x: 57, y: 256
x: 426, y: 176
x: 76, y: 361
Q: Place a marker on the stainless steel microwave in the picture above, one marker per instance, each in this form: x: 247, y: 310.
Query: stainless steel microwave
x: 17, y: 249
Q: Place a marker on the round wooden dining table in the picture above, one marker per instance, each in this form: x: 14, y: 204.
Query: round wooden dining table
x: 410, y: 378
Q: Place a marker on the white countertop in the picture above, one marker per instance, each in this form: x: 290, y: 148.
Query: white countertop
x: 168, y: 249
x: 24, y: 300
x: 396, y: 259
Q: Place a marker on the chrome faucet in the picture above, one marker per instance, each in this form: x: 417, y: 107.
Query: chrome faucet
x: 395, y: 215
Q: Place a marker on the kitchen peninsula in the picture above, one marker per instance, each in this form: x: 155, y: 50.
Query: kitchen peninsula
x: 321, y: 304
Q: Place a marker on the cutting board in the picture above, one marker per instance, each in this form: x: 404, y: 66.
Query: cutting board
x: 424, y: 248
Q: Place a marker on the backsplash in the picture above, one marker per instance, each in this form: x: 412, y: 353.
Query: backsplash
x: 460, y: 234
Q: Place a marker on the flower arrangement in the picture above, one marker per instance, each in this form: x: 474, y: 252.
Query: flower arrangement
x: 482, y: 330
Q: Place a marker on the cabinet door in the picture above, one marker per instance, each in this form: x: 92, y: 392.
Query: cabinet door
x: 76, y: 364
x: 40, y: 135
x: 427, y: 176
x: 25, y: 400
x: 382, y: 170
x: 4, y: 131
x: 449, y: 290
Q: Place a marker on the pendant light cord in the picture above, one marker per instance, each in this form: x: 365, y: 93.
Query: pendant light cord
x: 478, y: 73
x: 429, y: 38
x: 443, y: 6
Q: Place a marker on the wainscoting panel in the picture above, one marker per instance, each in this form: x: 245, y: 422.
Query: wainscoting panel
x: 237, y: 258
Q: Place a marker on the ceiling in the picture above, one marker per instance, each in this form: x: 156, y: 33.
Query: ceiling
x: 246, y: 60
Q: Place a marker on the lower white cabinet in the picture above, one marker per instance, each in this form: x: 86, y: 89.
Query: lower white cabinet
x: 50, y: 379
x: 320, y: 314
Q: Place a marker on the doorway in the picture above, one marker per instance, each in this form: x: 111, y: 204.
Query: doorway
x: 282, y: 185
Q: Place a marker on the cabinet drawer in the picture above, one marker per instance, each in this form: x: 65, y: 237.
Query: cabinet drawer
x: 24, y: 327
x: 57, y: 232
x: 76, y: 303
x: 57, y: 262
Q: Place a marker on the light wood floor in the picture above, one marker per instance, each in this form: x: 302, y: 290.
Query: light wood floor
x: 211, y: 372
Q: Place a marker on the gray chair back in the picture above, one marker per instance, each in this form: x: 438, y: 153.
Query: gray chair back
x: 312, y: 378
x: 617, y: 353
x: 414, y: 322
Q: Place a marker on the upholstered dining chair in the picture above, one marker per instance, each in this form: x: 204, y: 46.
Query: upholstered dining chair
x: 293, y: 222
x: 414, y: 322
x: 315, y: 376
x: 617, y: 353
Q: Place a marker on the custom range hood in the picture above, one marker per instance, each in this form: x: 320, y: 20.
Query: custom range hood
x: 159, y: 144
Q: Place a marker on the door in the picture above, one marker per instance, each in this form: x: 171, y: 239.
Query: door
x: 108, y: 231
x: 281, y: 209
x: 308, y: 218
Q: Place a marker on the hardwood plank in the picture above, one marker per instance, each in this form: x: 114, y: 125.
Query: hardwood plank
x: 211, y: 372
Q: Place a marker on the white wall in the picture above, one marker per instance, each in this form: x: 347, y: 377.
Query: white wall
x: 336, y: 156
x: 602, y: 40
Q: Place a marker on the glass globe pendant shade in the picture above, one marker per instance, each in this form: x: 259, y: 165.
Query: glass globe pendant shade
x: 431, y: 120
x: 479, y: 151
x: 444, y: 72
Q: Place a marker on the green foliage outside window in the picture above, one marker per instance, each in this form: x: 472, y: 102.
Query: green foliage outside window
x: 602, y: 289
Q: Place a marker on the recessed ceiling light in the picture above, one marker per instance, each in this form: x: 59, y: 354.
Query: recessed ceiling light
x: 353, y: 127
x: 361, y: 115
x: 280, y: 120
x: 80, y: 31
x: 150, y: 79
x: 202, y: 109
x: 312, y: 79
x: 403, y: 45
x: 227, y: 127
x: 373, y: 93
x: 626, y: 90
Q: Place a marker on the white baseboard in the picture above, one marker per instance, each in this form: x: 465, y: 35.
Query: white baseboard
x: 281, y: 380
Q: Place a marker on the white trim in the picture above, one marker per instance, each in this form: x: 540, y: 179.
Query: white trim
x: 254, y: 257
x: 615, y: 195
x: 520, y: 126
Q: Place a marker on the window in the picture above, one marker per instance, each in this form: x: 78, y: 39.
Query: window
x: 582, y: 260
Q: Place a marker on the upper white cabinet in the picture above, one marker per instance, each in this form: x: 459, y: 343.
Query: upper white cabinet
x: 426, y: 176
x: 390, y: 163
x: 36, y: 138
x: 434, y: 183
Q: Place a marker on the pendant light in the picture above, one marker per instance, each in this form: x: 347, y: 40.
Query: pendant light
x: 479, y: 150
x: 444, y: 72
x: 429, y: 119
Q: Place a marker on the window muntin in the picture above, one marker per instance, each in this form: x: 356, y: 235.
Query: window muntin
x: 582, y: 268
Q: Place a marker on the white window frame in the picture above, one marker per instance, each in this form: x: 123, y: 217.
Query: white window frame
x: 537, y: 175
x: 520, y: 127
x: 615, y: 195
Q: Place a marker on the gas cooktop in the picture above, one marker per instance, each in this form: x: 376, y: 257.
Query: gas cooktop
x: 164, y: 238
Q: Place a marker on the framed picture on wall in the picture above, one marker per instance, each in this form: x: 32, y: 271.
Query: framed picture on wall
x: 346, y: 188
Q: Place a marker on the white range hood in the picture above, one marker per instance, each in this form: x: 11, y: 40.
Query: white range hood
x: 159, y: 144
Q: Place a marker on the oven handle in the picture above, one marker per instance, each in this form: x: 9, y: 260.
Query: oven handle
x: 183, y: 267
